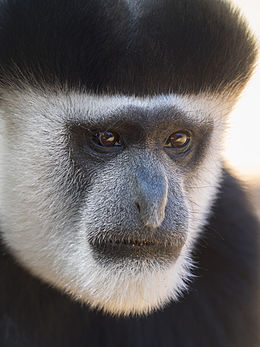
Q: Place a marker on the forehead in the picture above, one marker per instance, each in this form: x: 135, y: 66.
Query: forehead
x: 83, y: 107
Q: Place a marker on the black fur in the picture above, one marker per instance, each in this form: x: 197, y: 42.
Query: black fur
x: 220, y: 310
x: 147, y: 47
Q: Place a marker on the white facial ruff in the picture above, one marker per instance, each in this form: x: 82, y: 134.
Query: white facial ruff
x: 38, y: 224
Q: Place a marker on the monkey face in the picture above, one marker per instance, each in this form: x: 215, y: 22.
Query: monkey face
x: 111, y: 134
x: 103, y: 196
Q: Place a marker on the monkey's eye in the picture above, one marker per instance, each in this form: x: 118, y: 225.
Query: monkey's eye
x: 179, y: 139
x: 107, y: 139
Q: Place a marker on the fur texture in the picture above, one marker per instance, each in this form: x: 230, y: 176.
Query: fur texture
x: 221, y: 308
x: 68, y: 71
x: 153, y: 47
x: 50, y: 211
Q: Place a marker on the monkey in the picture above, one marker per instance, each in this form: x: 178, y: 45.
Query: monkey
x: 120, y: 224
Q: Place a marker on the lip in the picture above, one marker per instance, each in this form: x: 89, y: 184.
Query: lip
x: 116, y: 249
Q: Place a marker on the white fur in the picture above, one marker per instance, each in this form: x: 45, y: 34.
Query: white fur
x: 36, y: 220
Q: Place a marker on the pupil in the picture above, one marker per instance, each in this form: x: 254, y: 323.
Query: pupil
x: 107, y: 138
x: 179, y: 139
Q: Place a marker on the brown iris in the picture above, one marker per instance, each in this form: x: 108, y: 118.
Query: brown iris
x: 107, y: 139
x: 179, y: 139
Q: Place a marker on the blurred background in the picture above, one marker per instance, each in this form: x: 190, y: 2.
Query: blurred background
x: 243, y: 141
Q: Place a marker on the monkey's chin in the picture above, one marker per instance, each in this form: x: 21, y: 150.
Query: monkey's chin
x: 132, y: 278
x: 132, y: 289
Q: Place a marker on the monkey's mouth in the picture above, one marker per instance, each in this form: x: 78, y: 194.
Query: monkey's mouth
x: 130, y: 242
x: 138, y: 248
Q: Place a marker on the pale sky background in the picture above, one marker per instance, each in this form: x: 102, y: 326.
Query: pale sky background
x: 243, y: 142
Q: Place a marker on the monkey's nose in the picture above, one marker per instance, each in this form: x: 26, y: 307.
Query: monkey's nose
x: 151, y: 192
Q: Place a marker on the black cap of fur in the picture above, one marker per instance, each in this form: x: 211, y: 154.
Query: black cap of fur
x: 126, y: 46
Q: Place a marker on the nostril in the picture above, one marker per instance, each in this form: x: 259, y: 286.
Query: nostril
x: 138, y: 207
